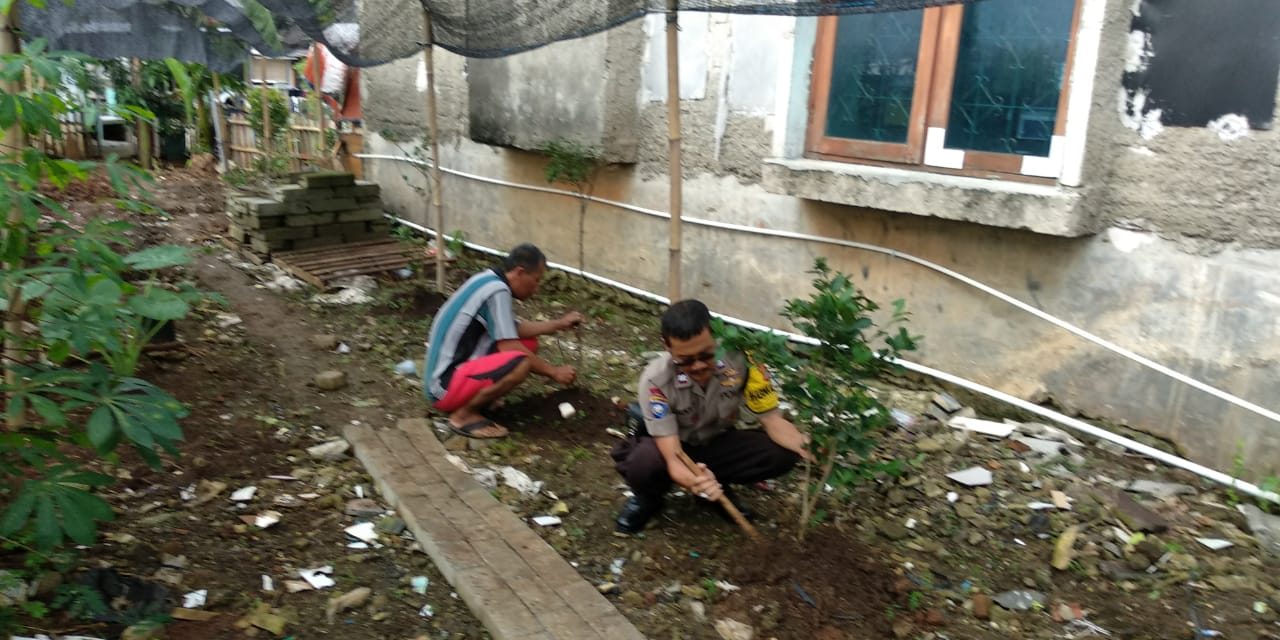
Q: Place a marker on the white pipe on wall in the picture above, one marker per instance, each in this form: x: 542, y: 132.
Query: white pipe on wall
x: 1054, y: 320
x: 1067, y: 421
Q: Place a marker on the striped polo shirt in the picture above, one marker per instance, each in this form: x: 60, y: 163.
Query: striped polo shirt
x: 468, y: 326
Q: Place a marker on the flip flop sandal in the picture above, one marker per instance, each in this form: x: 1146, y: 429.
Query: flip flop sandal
x: 469, y: 429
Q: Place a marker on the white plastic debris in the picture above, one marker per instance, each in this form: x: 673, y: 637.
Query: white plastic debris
x: 1080, y: 628
x: 1040, y: 506
x: 188, y: 493
x: 267, y: 584
x: 1060, y: 500
x: 358, y: 545
x: 972, y: 477
x: 566, y: 410
x: 363, y: 531
x: 488, y: 478
x: 1022, y: 466
x: 354, y: 290
x: 419, y: 584
x: 427, y: 611
x: 332, y: 450
x: 546, y: 521
x: 343, y: 348
x: 227, y: 320
x: 952, y: 497
x: 407, y: 368
x: 359, y: 489
x: 195, y: 599
x: 911, y: 523
x: 266, y: 519
x: 286, y: 478
x: 616, y: 567
x: 1215, y: 544
x: 459, y: 463
x: 244, y: 495
x: 985, y: 427
x: 287, y: 500
x: 727, y: 587
x: 318, y: 578
x: 520, y: 481
x: 1043, y: 448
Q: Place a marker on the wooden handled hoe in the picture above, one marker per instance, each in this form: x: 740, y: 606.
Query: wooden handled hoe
x: 725, y: 503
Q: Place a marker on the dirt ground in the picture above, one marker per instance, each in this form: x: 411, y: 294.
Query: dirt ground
x: 861, y: 574
x: 254, y: 412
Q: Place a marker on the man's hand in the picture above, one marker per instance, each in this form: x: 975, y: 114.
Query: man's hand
x: 569, y: 321
x: 564, y: 374
x: 705, y: 485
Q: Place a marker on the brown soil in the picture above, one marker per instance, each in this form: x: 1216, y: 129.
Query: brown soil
x: 829, y: 581
x: 253, y: 413
x: 416, y: 301
x: 537, y: 418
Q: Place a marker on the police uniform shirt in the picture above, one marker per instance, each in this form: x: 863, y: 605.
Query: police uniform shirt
x: 673, y: 404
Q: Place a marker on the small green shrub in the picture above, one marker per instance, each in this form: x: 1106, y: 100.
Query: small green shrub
x: 826, y: 383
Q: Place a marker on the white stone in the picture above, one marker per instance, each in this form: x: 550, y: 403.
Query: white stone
x: 971, y: 477
x: 985, y: 427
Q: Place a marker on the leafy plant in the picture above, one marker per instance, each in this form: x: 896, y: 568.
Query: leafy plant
x: 1272, y: 484
x: 278, y: 108
x: 915, y: 600
x: 79, y: 308
x: 456, y: 242
x: 576, y: 165
x: 826, y: 383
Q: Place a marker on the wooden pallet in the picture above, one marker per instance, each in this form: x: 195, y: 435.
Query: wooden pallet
x: 323, y: 265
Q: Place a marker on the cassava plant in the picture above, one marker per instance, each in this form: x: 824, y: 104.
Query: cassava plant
x: 79, y: 304
x: 578, y: 166
x: 826, y: 382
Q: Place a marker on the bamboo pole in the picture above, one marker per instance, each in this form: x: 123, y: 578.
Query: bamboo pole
x: 266, y: 125
x: 434, y: 126
x: 144, y: 127
x: 220, y: 129
x: 321, y: 142
x: 674, y: 156
x: 16, y: 311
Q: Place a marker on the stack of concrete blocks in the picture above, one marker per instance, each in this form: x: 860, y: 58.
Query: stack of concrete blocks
x: 323, y: 209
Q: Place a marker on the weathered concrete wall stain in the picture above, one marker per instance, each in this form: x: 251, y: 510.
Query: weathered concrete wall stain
x: 1185, y: 270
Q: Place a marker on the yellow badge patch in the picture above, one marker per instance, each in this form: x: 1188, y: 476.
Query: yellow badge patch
x: 761, y: 397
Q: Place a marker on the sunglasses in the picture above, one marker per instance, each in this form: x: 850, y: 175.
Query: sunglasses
x: 689, y: 361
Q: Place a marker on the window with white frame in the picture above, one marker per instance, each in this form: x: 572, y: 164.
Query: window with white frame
x: 979, y: 88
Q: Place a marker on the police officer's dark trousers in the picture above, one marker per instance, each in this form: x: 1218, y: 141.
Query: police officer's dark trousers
x: 735, y: 457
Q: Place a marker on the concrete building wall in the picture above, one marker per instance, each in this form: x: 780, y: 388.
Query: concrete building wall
x: 1182, y: 269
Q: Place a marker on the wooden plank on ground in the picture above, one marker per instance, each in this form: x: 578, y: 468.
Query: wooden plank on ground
x: 323, y: 265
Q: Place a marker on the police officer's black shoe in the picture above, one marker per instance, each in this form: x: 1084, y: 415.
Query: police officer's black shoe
x: 636, y: 513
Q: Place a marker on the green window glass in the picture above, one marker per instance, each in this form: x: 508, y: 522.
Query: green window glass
x: 1009, y: 75
x: 873, y: 76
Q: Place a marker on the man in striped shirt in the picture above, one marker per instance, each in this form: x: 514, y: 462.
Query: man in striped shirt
x: 477, y: 351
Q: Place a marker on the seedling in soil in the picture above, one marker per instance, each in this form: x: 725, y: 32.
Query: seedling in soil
x: 827, y: 383
x: 914, y: 600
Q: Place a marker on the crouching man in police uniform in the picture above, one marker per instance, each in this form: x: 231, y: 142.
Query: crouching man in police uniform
x: 691, y: 398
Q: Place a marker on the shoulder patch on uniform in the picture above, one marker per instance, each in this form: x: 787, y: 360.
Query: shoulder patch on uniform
x: 761, y: 397
x: 658, y: 405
